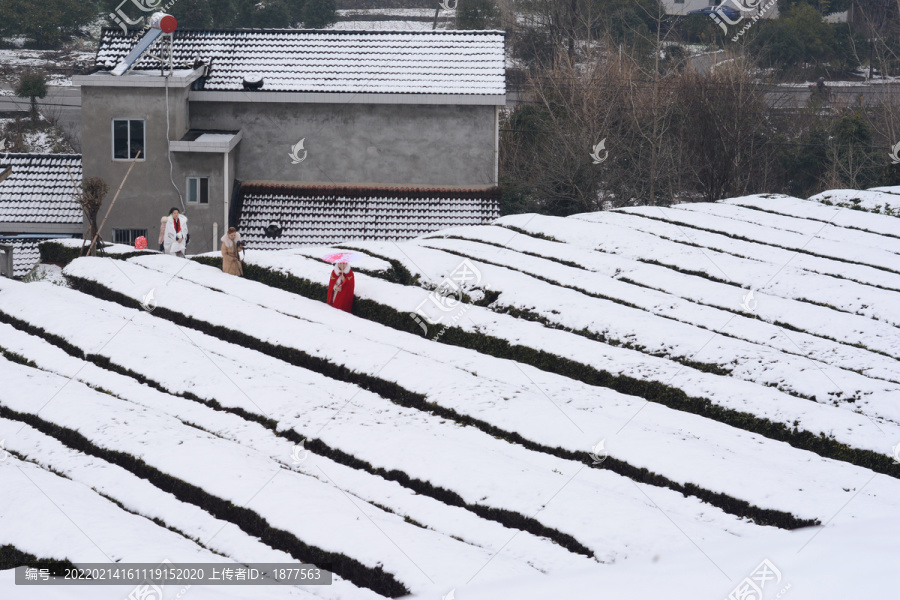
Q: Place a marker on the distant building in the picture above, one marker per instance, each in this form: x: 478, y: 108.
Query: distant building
x: 673, y: 7
x: 37, y: 203
x: 353, y: 112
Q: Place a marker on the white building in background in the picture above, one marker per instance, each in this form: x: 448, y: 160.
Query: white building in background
x: 674, y: 7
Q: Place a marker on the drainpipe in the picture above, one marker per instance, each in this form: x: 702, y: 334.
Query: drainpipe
x: 225, y: 191
x: 497, y: 145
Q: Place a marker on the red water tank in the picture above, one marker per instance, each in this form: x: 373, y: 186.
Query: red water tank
x: 163, y: 21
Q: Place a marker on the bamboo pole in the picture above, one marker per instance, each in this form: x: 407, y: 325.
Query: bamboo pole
x: 116, y: 197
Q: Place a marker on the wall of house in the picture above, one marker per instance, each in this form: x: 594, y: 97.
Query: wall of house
x: 358, y: 143
x: 148, y: 194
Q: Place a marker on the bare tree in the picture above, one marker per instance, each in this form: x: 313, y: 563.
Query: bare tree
x: 723, y: 120
x: 93, y: 191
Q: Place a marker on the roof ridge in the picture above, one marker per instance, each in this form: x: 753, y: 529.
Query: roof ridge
x: 363, y: 187
x: 432, y: 32
x: 37, y: 155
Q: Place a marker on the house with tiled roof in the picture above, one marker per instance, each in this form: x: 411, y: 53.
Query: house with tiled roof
x: 323, y: 215
x: 37, y: 203
x: 395, y: 131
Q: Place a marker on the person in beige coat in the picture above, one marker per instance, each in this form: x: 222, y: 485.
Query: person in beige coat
x: 162, y: 232
x: 231, y: 259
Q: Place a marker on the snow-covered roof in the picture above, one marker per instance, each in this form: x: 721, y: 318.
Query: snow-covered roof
x: 296, y: 60
x: 39, y: 190
x: 26, y: 252
x: 326, y: 215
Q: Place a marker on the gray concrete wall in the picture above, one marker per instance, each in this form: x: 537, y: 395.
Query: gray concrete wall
x: 148, y: 194
x: 358, y: 143
x: 350, y: 143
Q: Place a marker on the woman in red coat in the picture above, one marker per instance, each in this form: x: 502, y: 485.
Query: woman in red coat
x: 340, y: 288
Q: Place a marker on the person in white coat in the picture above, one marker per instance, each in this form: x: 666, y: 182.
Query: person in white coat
x: 176, y: 233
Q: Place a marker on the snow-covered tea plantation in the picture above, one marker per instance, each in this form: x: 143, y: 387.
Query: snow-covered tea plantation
x: 698, y: 402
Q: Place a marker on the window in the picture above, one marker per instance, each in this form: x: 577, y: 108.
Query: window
x: 198, y: 190
x: 128, y: 138
x: 127, y: 236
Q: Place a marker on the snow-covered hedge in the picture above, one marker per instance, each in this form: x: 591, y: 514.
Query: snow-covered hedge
x: 250, y: 521
x: 11, y: 557
x: 653, y: 391
x: 406, y: 397
x: 62, y: 252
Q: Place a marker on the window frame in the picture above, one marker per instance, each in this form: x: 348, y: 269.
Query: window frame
x: 187, y: 189
x: 112, y: 136
x: 132, y: 230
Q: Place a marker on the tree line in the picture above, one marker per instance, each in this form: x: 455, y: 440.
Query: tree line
x: 675, y: 129
x: 51, y: 23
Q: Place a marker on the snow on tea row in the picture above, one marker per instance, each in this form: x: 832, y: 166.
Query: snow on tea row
x: 658, y: 223
x: 850, y: 428
x: 146, y: 542
x: 33, y: 524
x: 576, y: 311
x: 882, y: 200
x: 286, y: 499
x: 782, y: 279
x: 355, y: 426
x: 756, y: 325
x: 819, y: 213
x: 53, y: 517
x: 139, y: 495
x: 849, y: 244
x: 667, y: 449
x: 599, y: 274
x: 373, y: 429
x: 708, y: 225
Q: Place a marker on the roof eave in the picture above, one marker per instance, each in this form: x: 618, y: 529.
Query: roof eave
x: 347, y: 98
x: 138, y: 78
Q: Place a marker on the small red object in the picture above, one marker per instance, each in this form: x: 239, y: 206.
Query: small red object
x: 163, y: 21
x: 140, y: 243
x: 168, y: 24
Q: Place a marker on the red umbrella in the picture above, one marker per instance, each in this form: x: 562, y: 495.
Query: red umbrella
x: 338, y: 257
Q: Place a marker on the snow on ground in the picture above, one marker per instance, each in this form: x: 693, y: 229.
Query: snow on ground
x: 282, y: 497
x: 49, y: 273
x: 457, y: 470
x: 400, y: 357
x: 400, y: 12
x: 855, y: 561
x: 45, y: 58
x: 818, y: 213
x: 398, y: 25
x: 639, y: 274
x: 574, y: 310
x: 877, y: 200
x: 765, y: 269
x: 108, y: 247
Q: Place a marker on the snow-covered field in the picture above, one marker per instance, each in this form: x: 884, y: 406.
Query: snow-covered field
x: 645, y: 403
x: 392, y: 19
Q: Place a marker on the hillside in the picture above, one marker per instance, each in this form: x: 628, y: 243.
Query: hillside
x: 649, y: 401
